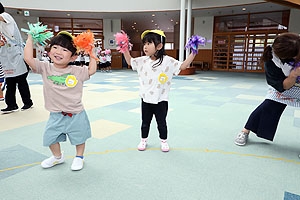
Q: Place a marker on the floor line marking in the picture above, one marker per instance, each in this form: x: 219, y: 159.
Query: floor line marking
x: 122, y: 150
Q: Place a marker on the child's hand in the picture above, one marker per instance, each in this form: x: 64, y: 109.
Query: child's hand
x: 297, y: 71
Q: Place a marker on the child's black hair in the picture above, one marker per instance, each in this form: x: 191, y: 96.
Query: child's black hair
x: 156, y: 39
x: 2, y: 10
x: 64, y: 41
x: 285, y: 46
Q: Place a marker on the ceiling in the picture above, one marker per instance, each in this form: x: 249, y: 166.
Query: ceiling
x: 164, y: 20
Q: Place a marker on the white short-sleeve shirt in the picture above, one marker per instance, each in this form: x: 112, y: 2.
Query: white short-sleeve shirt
x: 155, y: 82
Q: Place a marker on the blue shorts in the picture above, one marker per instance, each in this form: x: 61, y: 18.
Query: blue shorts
x: 76, y: 127
x: 1, y: 80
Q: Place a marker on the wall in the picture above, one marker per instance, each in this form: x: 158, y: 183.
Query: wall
x: 203, y: 26
x: 294, y: 25
x: 119, y: 5
x: 110, y: 27
x: 135, y: 39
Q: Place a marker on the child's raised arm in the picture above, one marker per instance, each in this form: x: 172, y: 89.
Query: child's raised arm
x: 2, y: 19
x: 127, y: 57
x: 291, y: 79
x: 28, y: 53
x: 92, y: 64
x: 187, y: 62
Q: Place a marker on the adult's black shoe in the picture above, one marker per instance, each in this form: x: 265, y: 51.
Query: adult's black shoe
x: 9, y: 110
x: 26, y: 107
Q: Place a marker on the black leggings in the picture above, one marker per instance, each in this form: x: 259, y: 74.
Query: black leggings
x: 265, y: 118
x: 160, y: 111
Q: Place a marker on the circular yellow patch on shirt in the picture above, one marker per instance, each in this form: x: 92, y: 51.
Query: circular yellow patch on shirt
x: 163, y: 78
x: 71, y: 81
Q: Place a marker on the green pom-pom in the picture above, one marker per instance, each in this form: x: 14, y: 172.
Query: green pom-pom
x: 40, y: 33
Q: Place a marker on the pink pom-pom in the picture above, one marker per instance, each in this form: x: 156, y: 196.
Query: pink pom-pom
x: 104, y: 59
x: 123, y: 43
x: 107, y: 51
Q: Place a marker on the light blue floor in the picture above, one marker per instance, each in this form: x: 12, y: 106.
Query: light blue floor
x: 206, y: 111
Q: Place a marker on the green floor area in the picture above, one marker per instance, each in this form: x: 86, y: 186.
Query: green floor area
x: 206, y: 112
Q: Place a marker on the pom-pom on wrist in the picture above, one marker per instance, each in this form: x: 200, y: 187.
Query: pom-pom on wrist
x: 194, y: 42
x: 293, y: 70
x: 85, y: 42
x: 123, y: 43
x: 40, y: 33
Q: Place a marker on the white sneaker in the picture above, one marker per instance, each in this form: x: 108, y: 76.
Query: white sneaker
x: 77, y: 164
x: 164, y: 146
x: 52, y: 161
x: 143, y: 144
x: 241, y: 138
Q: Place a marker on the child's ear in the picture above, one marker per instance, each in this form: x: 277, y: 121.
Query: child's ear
x: 159, y: 46
x: 73, y: 58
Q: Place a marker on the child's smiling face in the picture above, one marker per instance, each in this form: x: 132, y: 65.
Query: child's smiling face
x: 61, y: 56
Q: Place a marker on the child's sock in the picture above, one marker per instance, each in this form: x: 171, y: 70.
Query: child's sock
x: 58, y: 157
x: 80, y: 157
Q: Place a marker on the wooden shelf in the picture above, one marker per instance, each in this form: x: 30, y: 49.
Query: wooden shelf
x: 242, y: 50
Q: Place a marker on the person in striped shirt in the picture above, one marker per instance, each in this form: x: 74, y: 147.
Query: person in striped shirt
x: 2, y: 83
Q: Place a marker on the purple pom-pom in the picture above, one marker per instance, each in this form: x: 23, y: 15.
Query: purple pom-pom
x: 295, y: 65
x: 194, y: 43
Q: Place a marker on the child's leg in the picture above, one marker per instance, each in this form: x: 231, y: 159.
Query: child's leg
x: 78, y: 160
x: 161, y: 110
x: 147, y: 114
x: 56, y: 159
x: 80, y: 149
x: 55, y: 149
x: 262, y: 121
x: 1, y: 92
x: 160, y: 113
x: 246, y: 130
x: 265, y: 118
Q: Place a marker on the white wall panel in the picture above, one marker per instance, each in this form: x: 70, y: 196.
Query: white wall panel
x: 203, y: 26
x: 294, y: 25
x: 110, y: 27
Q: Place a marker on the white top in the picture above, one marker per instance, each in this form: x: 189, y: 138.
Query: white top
x: 81, y: 58
x: 102, y: 59
x: 155, y: 83
x: 78, y: 58
x: 86, y: 58
x: 11, y: 47
x: 45, y: 59
x: 108, y: 58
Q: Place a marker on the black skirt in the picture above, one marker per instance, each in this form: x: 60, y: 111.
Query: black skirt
x: 264, y: 120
